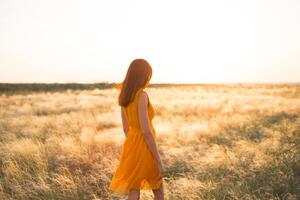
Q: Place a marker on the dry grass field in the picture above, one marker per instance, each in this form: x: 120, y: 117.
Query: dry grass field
x: 216, y: 142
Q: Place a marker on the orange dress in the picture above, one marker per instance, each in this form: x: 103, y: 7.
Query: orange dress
x: 137, y: 168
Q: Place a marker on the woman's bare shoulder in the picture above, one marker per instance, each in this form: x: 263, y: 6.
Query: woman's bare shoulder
x: 143, y: 96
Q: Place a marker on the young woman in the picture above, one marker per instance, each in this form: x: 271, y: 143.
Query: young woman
x: 140, y: 165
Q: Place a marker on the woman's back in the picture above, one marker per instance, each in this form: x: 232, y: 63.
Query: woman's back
x: 131, y: 113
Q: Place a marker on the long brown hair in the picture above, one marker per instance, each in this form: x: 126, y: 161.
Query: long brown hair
x: 138, y: 76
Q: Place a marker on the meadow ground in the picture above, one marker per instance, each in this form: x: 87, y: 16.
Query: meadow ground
x: 216, y: 142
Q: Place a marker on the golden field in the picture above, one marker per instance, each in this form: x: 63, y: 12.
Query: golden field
x: 216, y: 142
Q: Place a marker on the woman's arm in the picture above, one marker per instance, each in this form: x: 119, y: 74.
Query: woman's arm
x: 124, y: 122
x: 146, y: 130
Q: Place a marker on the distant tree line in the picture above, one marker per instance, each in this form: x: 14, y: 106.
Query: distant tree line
x: 61, y: 87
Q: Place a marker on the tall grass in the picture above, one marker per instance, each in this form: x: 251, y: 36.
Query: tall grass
x: 216, y: 142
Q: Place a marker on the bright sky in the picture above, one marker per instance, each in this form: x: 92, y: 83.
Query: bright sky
x: 184, y: 41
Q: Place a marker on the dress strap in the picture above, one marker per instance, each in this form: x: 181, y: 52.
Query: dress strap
x: 138, y: 92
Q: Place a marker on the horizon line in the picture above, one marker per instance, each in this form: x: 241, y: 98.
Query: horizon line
x: 155, y: 83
